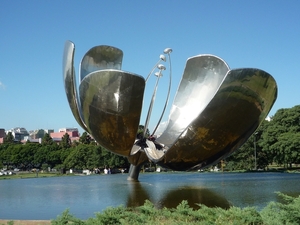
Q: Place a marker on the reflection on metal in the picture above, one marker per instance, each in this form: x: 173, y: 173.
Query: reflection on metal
x: 100, y: 58
x: 70, y: 83
x: 201, y: 79
x: 215, y: 109
x: 111, y: 102
x: 241, y: 103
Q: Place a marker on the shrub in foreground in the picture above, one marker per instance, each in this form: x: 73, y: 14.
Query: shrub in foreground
x: 274, y: 213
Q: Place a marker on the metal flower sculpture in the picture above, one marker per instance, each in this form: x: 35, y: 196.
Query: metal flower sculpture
x: 214, y: 112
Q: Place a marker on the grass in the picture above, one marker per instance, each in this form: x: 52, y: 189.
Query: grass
x: 24, y: 175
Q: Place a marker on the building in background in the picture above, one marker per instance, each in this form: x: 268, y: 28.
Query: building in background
x: 19, y: 133
x: 39, y: 133
x: 2, y: 135
x: 72, y: 132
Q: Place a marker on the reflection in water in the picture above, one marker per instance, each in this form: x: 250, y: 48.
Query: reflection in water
x: 194, y: 196
x: 172, y: 198
x: 137, y: 196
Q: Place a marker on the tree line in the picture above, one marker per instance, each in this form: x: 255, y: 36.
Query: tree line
x: 275, y: 142
x: 85, y: 154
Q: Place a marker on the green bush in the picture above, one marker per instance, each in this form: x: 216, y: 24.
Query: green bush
x: 275, y: 213
x: 282, y: 213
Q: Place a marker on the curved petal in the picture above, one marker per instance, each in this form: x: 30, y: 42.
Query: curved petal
x: 152, y: 152
x: 202, y: 77
x: 138, y: 159
x: 100, y: 58
x: 240, y: 105
x: 70, y: 82
x: 111, y: 107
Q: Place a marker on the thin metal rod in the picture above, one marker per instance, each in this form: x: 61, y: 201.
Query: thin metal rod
x: 153, y: 69
x: 167, y: 100
x: 151, y: 104
x: 162, y: 58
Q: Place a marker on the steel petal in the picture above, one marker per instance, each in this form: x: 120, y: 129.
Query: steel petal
x: 100, y: 58
x: 111, y: 106
x: 138, y: 159
x: 240, y: 105
x: 70, y: 82
x: 152, y: 153
x: 202, y: 77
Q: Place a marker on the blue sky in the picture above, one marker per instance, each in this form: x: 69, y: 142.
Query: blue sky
x: 248, y: 33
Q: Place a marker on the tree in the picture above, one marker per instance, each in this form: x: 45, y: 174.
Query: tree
x: 21, y: 156
x: 6, y: 154
x: 280, y: 138
x: 55, y: 157
x: 65, y: 141
x: 85, y: 138
x: 113, y: 160
x: 94, y: 156
x: 76, y: 158
x: 9, y: 139
x: 47, y: 139
x: 250, y: 152
x: 288, y: 147
x: 140, y: 132
x: 84, y: 156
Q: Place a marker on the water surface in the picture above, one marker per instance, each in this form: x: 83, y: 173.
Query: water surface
x: 45, y: 198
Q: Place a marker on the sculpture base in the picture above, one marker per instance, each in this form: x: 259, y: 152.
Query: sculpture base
x: 134, y: 172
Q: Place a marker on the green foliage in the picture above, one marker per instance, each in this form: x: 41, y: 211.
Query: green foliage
x: 112, y: 160
x: 281, y: 136
x: 273, y: 214
x: 282, y: 213
x: 85, y: 138
x: 81, y: 156
x: 244, y: 157
x: 276, y: 141
x: 65, y: 141
x: 141, y: 131
x: 47, y: 140
x: 148, y: 208
x: 66, y: 218
x: 110, y: 216
x: 9, y: 139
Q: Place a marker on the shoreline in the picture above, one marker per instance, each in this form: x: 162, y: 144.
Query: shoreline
x: 25, y: 222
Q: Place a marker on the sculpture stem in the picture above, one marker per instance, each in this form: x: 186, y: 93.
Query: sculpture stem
x: 134, y: 172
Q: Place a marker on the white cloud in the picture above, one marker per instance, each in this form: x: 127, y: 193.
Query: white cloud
x: 2, y: 85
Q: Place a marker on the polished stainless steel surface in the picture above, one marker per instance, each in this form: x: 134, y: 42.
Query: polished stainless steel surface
x: 241, y: 103
x: 111, y: 103
x: 100, y: 58
x: 202, y: 77
x: 110, y: 99
x: 70, y: 83
x: 215, y: 109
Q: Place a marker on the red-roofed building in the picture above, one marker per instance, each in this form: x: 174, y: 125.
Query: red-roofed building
x: 72, y: 132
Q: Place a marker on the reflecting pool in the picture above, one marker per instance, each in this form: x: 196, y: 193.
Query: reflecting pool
x: 45, y: 198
